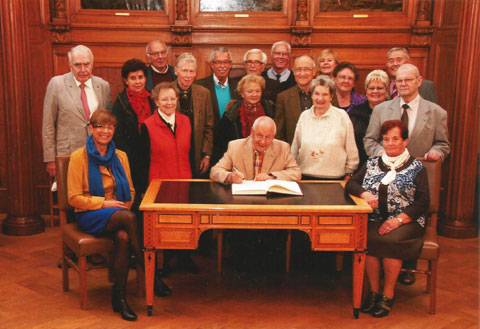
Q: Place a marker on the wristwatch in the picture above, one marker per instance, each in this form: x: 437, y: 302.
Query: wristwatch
x: 400, y: 220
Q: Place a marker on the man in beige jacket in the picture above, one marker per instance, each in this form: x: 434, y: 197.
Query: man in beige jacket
x: 259, y: 156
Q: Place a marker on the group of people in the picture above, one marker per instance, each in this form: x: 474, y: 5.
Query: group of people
x: 167, y: 124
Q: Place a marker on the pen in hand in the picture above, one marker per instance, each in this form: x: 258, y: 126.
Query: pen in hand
x: 237, y: 176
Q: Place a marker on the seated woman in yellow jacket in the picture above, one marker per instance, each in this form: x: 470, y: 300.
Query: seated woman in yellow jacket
x: 101, y: 191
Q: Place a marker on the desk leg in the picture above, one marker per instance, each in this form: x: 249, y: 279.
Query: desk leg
x: 149, y: 275
x: 358, y: 274
x: 219, y: 250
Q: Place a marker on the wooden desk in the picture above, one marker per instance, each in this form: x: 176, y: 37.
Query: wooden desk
x: 177, y: 212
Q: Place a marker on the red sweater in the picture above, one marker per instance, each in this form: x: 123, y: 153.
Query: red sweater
x: 169, y: 152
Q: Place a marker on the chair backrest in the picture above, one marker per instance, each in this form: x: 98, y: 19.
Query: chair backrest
x: 434, y: 172
x: 61, y: 171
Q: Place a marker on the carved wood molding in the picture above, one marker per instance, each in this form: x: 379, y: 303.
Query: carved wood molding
x: 424, y: 11
x: 182, y: 10
x: 301, y: 36
x: 302, y: 10
x: 421, y: 36
x: 182, y: 35
x: 59, y: 9
x: 60, y: 33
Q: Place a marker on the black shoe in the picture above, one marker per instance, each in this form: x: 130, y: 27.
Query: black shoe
x: 121, y: 306
x: 132, y: 262
x: 163, y: 272
x: 370, y: 302
x: 161, y: 289
x: 382, y: 307
x: 406, y: 278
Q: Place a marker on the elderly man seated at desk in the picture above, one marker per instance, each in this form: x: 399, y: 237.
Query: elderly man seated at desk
x: 257, y: 157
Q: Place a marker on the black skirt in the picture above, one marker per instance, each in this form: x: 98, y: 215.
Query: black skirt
x: 405, y: 242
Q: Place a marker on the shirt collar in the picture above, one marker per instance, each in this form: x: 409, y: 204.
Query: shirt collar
x: 217, y: 82
x: 165, y: 71
x: 87, y: 83
x: 273, y: 75
x: 413, y: 104
x: 324, y: 115
x: 170, y: 119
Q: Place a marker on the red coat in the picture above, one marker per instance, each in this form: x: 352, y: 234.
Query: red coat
x: 169, y: 152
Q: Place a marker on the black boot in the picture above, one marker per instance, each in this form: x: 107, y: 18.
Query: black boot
x: 382, y: 307
x: 119, y: 305
x: 160, y: 288
x: 369, y: 302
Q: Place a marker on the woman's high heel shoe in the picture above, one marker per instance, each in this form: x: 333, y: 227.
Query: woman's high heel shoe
x: 382, y: 307
x: 119, y: 305
x: 370, y: 302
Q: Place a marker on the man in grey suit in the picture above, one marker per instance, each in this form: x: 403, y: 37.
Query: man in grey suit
x: 222, y: 89
x: 427, y: 129
x: 69, y: 101
x: 427, y: 122
x: 398, y: 56
x: 293, y: 101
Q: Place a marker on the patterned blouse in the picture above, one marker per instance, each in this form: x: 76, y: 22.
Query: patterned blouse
x: 408, y: 193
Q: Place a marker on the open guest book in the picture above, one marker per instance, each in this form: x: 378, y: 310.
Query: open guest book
x: 251, y: 187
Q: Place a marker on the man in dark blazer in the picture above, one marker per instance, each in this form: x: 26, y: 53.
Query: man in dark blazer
x: 427, y: 122
x: 279, y: 77
x: 70, y: 99
x: 159, y: 70
x: 196, y: 103
x: 221, y: 65
x: 292, y: 102
x: 398, y: 56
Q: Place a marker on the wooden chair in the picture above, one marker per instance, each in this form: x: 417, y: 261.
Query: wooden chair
x: 77, y: 243
x: 431, y: 249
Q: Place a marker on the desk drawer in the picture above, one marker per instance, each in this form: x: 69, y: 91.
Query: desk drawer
x: 335, y: 220
x: 175, y: 238
x: 333, y: 239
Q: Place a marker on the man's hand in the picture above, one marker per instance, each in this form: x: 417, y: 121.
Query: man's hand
x: 204, y: 164
x: 370, y: 198
x: 432, y: 156
x: 51, y: 168
x: 263, y: 176
x: 235, y: 177
x: 114, y: 204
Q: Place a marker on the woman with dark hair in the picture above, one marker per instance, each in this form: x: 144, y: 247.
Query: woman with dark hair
x: 241, y: 113
x: 132, y: 107
x: 100, y: 189
x: 345, y: 75
x: 395, y: 185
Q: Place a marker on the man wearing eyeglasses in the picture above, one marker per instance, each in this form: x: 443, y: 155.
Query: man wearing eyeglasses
x: 222, y: 89
x: 70, y: 100
x: 282, y: 78
x: 426, y: 121
x: 293, y: 101
x: 257, y: 157
x: 159, y: 70
x: 398, y: 56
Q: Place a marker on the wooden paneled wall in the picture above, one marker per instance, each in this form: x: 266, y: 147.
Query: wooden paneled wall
x: 429, y: 28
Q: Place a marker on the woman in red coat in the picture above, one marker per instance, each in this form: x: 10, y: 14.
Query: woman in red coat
x: 166, y: 136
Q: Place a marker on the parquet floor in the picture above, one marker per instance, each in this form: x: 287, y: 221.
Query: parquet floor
x: 31, y: 294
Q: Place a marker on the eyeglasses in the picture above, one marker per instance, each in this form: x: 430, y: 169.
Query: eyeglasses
x: 260, y: 137
x: 256, y: 63
x: 109, y: 128
x: 157, y: 53
x: 407, y: 81
x: 376, y: 88
x: 303, y: 69
x: 222, y: 63
x: 344, y: 77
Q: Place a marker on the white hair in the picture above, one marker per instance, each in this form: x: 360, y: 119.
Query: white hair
x: 79, y: 49
x: 264, y: 120
x: 186, y: 57
x: 255, y: 51
x: 279, y: 43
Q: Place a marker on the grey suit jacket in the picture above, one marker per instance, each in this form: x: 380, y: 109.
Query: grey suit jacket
x: 277, y: 161
x: 64, y: 126
x: 427, y: 91
x: 202, y: 122
x: 430, y: 132
x: 287, y: 112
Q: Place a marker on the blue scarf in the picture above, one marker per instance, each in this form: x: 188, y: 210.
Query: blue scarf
x: 110, y: 160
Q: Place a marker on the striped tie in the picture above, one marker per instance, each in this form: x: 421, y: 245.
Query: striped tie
x: 394, y: 93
